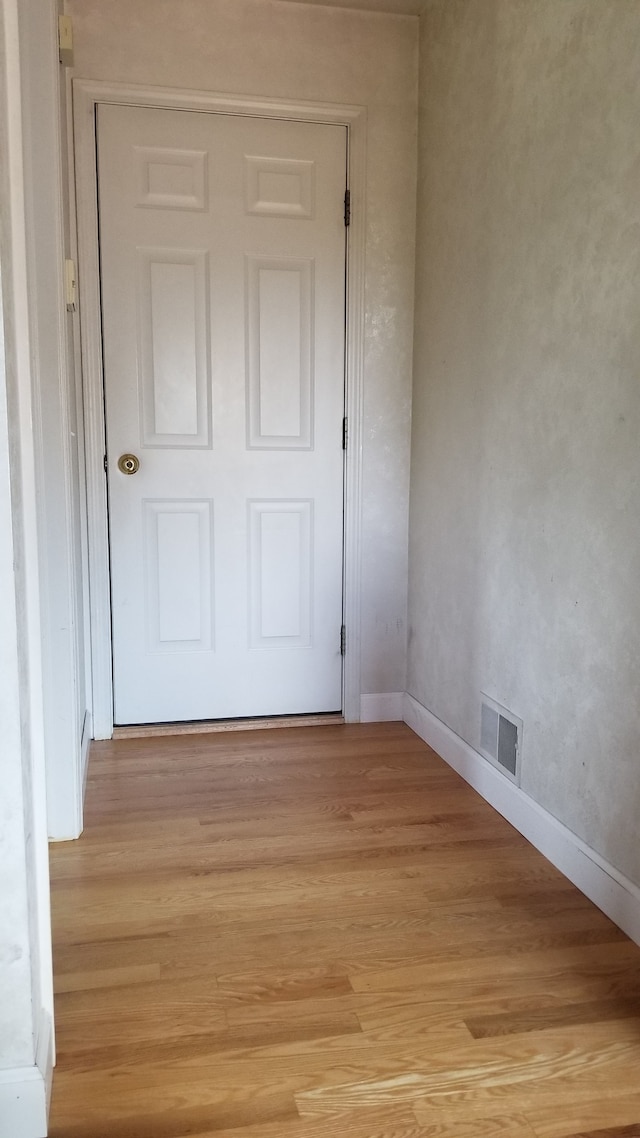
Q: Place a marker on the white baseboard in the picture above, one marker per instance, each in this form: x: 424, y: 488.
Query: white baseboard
x: 383, y: 707
x: 46, y: 1054
x: 25, y: 1091
x: 71, y: 826
x: 609, y: 889
x: 23, y: 1103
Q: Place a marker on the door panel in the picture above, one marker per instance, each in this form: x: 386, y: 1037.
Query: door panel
x: 280, y: 561
x: 174, y: 373
x: 222, y: 253
x: 177, y: 555
x: 279, y: 338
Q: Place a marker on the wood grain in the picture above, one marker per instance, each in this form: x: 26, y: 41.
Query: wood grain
x: 632, y: 1131
x: 324, y: 933
x: 514, y: 1023
x: 617, y: 1117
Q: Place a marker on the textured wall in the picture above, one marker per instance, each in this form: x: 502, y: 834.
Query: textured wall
x: 525, y: 514
x: 299, y: 51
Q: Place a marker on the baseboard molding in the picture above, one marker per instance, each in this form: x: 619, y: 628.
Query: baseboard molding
x: 46, y: 1054
x: 383, y: 707
x: 23, y: 1103
x: 25, y: 1091
x: 609, y: 889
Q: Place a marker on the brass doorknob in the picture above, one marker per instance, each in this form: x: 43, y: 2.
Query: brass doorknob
x: 128, y: 464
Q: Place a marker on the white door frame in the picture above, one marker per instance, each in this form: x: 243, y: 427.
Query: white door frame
x: 86, y: 95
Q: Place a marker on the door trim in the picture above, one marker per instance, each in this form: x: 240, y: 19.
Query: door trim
x: 87, y: 95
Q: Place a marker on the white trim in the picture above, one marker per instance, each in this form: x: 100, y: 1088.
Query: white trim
x: 53, y: 418
x: 84, y: 751
x: 609, y: 889
x: 75, y: 822
x: 23, y: 1103
x: 382, y: 707
x: 45, y: 1054
x: 70, y: 186
x: 25, y: 1092
x: 354, y: 380
x: 94, y: 428
x: 87, y: 95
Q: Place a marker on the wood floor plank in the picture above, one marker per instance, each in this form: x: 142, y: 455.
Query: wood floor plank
x: 616, y: 1116
x: 178, y: 1121
x: 317, y: 1073
x: 500, y: 1126
x: 118, y: 977
x: 131, y: 1015
x: 555, y: 1117
x: 632, y: 1131
x: 513, y: 1023
x: 248, y: 1039
x: 555, y: 1105
x: 395, y: 1122
x: 590, y: 1058
x: 324, y: 933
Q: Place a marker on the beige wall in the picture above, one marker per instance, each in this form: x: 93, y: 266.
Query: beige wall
x: 296, y: 51
x: 525, y: 515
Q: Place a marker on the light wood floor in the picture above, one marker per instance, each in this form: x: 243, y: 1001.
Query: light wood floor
x: 324, y: 933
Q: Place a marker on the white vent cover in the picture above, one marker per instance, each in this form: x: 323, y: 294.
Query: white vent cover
x: 500, y: 737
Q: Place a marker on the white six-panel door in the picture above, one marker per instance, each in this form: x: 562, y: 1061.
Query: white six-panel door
x: 223, y: 265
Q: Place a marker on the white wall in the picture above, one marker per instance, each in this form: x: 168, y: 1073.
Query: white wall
x: 525, y: 508
x: 26, y: 997
x: 295, y: 51
x: 16, y: 1015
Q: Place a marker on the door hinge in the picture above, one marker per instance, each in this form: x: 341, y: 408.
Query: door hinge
x: 105, y: 464
x: 347, y: 207
x: 343, y: 640
x: 65, y: 41
x: 345, y: 433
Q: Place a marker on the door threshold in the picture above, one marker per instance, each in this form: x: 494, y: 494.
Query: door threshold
x: 210, y: 726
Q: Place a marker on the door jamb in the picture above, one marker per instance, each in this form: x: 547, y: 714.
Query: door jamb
x: 86, y: 96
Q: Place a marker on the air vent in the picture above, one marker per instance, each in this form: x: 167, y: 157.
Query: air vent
x: 500, y: 737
